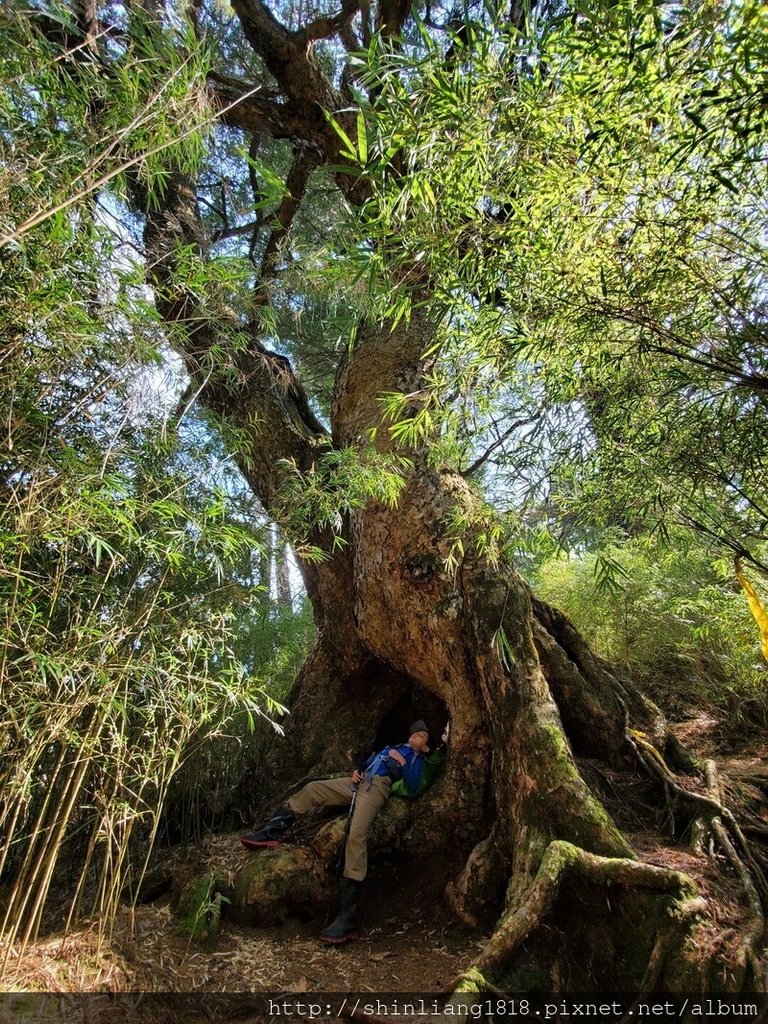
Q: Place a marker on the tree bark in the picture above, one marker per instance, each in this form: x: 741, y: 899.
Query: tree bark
x: 398, y: 629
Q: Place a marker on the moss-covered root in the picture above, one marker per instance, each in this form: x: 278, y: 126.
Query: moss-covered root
x: 603, y: 898
x: 704, y: 811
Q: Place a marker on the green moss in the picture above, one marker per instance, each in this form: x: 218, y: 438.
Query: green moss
x: 594, y: 828
x: 608, y: 910
x: 274, y: 885
x: 472, y: 980
x: 198, y: 910
x: 559, y: 856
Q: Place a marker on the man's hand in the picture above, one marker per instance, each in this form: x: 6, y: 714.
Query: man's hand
x: 357, y: 776
x: 396, y: 756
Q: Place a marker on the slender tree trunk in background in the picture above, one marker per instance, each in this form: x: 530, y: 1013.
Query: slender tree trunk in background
x: 282, y: 573
x: 265, y: 570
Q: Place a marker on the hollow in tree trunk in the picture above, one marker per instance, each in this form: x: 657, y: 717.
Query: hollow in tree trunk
x: 544, y: 863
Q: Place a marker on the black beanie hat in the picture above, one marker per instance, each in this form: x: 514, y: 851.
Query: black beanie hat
x: 419, y: 726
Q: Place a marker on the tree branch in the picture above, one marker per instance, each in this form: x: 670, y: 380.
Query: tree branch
x: 323, y: 28
x: 668, y: 339
x: 365, y: 20
x: 392, y: 16
x: 738, y: 549
x: 239, y: 107
x: 236, y: 231
x: 268, y: 37
x: 288, y: 58
x: 497, y: 444
x: 251, y: 388
x: 89, y: 20
x: 351, y: 45
x: 304, y: 162
x: 308, y: 90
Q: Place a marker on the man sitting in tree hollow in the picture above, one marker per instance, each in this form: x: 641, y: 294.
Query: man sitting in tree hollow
x: 404, y: 769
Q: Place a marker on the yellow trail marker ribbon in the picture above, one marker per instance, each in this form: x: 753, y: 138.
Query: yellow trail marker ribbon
x: 756, y: 606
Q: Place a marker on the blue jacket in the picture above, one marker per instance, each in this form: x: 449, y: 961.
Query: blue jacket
x: 410, y: 772
x: 432, y: 765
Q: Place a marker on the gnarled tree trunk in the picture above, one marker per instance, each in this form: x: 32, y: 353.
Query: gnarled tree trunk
x: 542, y: 849
x: 574, y: 909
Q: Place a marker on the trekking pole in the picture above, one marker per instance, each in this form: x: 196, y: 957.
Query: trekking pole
x: 343, y: 850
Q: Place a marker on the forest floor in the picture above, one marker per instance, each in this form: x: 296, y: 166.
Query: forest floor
x: 405, y: 946
x: 409, y: 941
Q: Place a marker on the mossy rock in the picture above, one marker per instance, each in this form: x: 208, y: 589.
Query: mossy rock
x: 327, y: 842
x: 198, y: 906
x: 274, y: 885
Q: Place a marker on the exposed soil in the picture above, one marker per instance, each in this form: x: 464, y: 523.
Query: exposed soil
x: 409, y: 943
x: 409, y: 939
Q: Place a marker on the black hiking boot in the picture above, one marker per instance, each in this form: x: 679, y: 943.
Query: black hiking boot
x: 343, y: 928
x: 272, y: 833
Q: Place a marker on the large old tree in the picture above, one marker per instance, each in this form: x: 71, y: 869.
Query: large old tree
x: 413, y: 612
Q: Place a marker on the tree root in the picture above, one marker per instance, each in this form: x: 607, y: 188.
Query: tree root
x: 709, y: 806
x: 477, y: 895
x: 715, y: 822
x: 753, y: 933
x: 564, y: 864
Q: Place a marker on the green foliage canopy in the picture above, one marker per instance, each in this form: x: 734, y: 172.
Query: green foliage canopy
x: 587, y: 200
x: 673, y: 618
x: 126, y: 561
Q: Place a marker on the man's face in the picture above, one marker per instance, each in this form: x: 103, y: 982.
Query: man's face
x: 419, y: 741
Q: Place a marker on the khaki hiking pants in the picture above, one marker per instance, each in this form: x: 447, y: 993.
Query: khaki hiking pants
x: 338, y: 793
